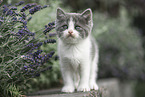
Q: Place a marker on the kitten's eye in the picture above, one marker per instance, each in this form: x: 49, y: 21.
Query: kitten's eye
x: 78, y: 28
x: 64, y: 27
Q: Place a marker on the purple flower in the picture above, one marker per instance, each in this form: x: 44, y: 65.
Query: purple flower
x: 39, y: 44
x: 13, y: 8
x: 14, y: 19
x: 52, y: 34
x: 30, y: 45
x: 31, y: 65
x: 25, y: 22
x: 50, y: 41
x: 45, y: 26
x: 35, y: 9
x: 49, y: 28
x: 45, y: 6
x: 51, y: 54
x: 20, y: 3
x: 38, y: 74
x: 56, y: 58
x: 47, y: 57
x: 35, y: 54
x: 23, y: 15
x: 9, y: 12
x: 5, y: 9
x: 51, y: 24
x: 24, y: 32
x: 29, y: 18
x: 25, y: 67
x: 28, y: 6
x: 39, y: 56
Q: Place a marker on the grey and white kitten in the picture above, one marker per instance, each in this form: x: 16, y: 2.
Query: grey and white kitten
x: 77, y: 50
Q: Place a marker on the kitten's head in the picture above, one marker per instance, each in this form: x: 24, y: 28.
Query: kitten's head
x: 73, y: 27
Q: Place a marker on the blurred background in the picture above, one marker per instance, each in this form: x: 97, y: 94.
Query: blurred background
x: 119, y: 29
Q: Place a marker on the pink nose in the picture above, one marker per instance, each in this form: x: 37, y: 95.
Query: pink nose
x: 70, y: 31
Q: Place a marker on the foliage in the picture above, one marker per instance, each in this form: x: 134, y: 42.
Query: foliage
x: 139, y: 89
x: 111, y: 7
x: 20, y: 55
x: 51, y: 78
x: 121, y: 51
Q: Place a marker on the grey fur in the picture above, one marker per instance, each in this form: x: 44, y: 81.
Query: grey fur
x: 84, y: 20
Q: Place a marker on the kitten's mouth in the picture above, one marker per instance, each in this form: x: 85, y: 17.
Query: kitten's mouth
x: 70, y: 36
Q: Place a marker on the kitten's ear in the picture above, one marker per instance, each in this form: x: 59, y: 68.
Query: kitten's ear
x: 60, y: 13
x: 87, y: 14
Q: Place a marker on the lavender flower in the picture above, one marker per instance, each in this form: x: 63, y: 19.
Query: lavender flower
x: 50, y: 41
x: 25, y: 67
x: 35, y: 9
x: 9, y: 12
x: 5, y: 9
x: 38, y: 74
x: 52, y: 34
x: 23, y: 32
x: 51, y: 24
x: 49, y: 27
x: 56, y: 58
x: 23, y: 15
x: 39, y: 44
x: 29, y: 18
x: 28, y: 6
x: 45, y: 6
x: 47, y: 57
x: 35, y: 54
x: 14, y: 19
x: 13, y: 8
x: 30, y: 45
x: 20, y: 3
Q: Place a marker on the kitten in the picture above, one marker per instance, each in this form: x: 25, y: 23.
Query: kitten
x: 77, y: 50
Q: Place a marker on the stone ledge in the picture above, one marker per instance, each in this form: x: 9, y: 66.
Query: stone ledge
x: 109, y: 88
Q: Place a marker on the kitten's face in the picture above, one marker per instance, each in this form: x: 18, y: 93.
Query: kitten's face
x: 73, y: 27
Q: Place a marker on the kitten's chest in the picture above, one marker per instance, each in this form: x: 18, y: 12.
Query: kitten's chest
x: 74, y: 54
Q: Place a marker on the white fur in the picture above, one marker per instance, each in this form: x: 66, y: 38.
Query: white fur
x: 75, y: 34
x: 78, y: 69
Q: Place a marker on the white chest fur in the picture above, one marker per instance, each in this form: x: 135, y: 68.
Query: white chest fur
x: 73, y: 54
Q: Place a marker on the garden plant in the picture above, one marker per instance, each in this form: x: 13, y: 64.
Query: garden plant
x: 21, y: 57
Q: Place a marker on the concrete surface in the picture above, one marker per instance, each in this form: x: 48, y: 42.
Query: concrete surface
x: 107, y: 87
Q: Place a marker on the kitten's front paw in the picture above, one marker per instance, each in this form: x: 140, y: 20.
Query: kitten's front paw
x: 68, y: 89
x: 83, y: 88
x: 94, y: 86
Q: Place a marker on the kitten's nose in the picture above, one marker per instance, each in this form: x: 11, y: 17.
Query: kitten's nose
x: 70, y: 31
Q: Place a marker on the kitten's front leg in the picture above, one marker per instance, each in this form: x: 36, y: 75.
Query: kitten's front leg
x: 84, y: 73
x: 93, y: 73
x: 67, y: 78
